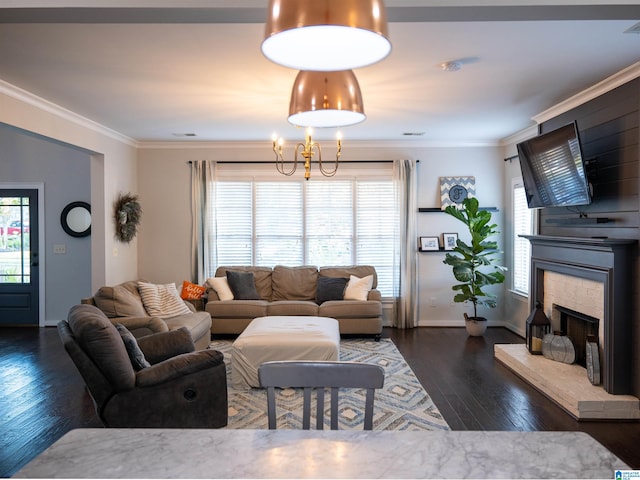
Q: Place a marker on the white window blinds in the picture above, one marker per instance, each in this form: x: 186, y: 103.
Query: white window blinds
x: 522, y: 225
x: 329, y: 223
x: 315, y: 222
x: 279, y: 230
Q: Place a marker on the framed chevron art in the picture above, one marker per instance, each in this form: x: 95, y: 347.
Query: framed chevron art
x: 453, y: 190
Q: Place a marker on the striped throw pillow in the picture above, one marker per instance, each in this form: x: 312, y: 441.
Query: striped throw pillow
x: 162, y: 300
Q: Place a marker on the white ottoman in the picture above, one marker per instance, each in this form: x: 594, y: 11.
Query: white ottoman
x: 274, y: 338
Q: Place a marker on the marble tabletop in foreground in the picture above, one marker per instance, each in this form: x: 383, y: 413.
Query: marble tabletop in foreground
x: 226, y: 453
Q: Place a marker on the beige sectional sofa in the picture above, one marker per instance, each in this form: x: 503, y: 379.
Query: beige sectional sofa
x: 297, y: 291
x: 123, y: 304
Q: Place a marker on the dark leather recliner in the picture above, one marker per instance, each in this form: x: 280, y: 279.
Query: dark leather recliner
x: 182, y: 388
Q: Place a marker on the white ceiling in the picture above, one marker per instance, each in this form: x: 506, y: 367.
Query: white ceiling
x: 150, y: 69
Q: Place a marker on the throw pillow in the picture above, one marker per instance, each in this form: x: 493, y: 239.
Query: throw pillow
x: 131, y: 344
x: 120, y: 301
x: 243, y: 285
x: 330, y: 288
x: 191, y: 291
x: 162, y: 301
x: 221, y: 286
x: 358, y: 288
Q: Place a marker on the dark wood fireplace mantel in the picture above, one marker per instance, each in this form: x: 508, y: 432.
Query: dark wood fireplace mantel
x: 607, y: 260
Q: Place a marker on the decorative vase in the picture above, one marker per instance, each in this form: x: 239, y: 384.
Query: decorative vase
x: 476, y: 326
x: 558, y: 347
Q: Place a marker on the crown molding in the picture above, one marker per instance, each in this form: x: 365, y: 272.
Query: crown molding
x: 40, y: 103
x: 520, y: 136
x: 614, y: 81
x: 266, y: 144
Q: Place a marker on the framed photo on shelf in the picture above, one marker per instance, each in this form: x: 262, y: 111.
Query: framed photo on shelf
x: 449, y: 240
x: 429, y: 244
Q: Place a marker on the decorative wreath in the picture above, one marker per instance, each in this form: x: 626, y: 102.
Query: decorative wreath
x: 127, y: 216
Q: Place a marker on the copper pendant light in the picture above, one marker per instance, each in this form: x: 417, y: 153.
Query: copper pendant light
x: 326, y: 35
x: 326, y: 99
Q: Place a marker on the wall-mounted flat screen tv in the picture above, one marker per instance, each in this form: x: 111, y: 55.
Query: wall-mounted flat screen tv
x: 553, y: 169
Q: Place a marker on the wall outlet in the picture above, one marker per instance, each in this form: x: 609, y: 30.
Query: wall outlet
x: 60, y: 249
x: 432, y: 301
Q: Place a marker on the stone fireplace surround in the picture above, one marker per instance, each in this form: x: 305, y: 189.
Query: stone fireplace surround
x: 563, y: 292
x: 600, y: 264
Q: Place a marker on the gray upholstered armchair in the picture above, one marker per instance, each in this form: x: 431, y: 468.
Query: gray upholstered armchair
x: 157, y: 381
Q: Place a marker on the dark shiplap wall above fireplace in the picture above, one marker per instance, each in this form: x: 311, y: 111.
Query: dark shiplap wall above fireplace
x: 610, y: 133
x: 609, y: 128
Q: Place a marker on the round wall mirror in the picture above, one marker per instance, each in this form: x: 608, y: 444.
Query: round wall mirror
x: 76, y: 219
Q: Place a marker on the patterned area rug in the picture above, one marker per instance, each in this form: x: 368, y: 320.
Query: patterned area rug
x: 402, y: 404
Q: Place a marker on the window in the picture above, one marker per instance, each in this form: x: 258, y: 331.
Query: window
x: 522, y: 225
x: 316, y: 222
x: 15, y: 238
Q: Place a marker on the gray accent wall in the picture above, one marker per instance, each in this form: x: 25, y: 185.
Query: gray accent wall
x: 66, y: 174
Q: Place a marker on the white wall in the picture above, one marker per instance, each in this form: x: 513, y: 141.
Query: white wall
x: 164, y: 187
x: 436, y: 306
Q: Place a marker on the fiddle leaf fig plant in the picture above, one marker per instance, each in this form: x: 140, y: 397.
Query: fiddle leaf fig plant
x: 474, y: 265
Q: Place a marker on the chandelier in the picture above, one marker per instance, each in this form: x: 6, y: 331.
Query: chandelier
x: 326, y: 35
x: 306, y: 150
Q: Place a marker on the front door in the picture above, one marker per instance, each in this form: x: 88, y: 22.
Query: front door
x: 19, y: 258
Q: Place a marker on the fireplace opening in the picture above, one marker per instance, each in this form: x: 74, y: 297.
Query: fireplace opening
x: 578, y: 326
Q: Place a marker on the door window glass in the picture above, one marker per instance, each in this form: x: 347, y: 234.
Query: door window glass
x: 15, y: 239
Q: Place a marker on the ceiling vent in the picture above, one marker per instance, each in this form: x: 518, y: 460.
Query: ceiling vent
x: 451, y: 66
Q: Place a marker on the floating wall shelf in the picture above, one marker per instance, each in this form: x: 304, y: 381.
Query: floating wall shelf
x: 435, y: 209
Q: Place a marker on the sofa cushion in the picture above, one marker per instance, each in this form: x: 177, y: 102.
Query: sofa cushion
x: 292, y: 308
x: 243, y: 285
x: 120, y: 301
x: 138, y: 361
x: 358, y: 288
x: 161, y: 346
x: 198, y: 324
x: 330, y: 288
x: 350, y: 309
x: 294, y: 283
x: 237, y: 309
x: 261, y: 275
x: 360, y: 271
x: 162, y: 300
x: 221, y: 286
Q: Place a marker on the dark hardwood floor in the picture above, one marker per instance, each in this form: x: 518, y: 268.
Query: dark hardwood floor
x: 42, y: 395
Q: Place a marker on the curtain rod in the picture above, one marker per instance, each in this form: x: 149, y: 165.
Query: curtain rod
x: 509, y: 159
x: 233, y: 162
